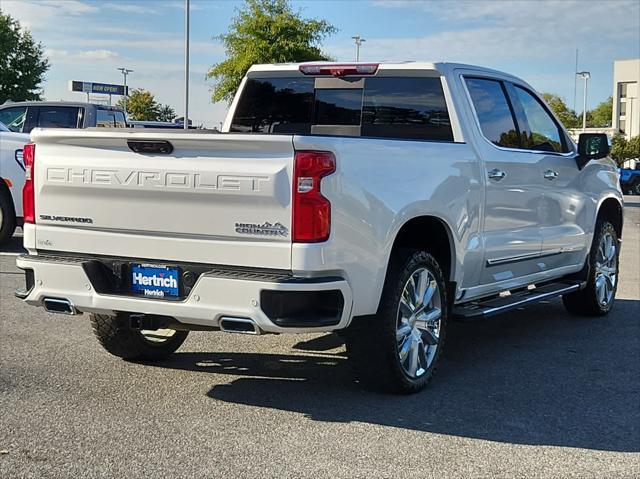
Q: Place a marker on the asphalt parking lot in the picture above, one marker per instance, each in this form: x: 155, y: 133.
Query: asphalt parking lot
x: 536, y: 394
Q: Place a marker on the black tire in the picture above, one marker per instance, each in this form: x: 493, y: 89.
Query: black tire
x: 635, y: 188
x: 585, y: 302
x: 8, y: 215
x: 119, y: 339
x: 372, y: 344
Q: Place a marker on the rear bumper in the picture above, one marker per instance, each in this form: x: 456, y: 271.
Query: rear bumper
x: 284, y: 305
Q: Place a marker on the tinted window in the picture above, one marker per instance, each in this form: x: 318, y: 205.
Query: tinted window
x: 538, y: 130
x: 110, y: 118
x: 494, y: 114
x: 58, y: 117
x: 14, y: 118
x: 405, y: 108
x: 389, y: 107
x: 275, y: 105
x: 338, y: 106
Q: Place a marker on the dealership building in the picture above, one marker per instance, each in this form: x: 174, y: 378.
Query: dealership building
x: 626, y: 102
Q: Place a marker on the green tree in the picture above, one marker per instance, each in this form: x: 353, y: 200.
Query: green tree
x: 166, y: 113
x: 618, y: 148
x: 633, y: 147
x: 623, y: 149
x: 567, y: 116
x: 22, y: 62
x: 266, y: 31
x: 600, y: 116
x: 142, y: 106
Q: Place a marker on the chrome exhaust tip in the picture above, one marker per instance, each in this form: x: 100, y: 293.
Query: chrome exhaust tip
x: 239, y: 325
x: 59, y: 306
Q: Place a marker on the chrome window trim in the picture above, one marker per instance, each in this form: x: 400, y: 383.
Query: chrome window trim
x: 570, y: 154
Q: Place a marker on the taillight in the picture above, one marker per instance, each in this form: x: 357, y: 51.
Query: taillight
x: 311, y: 210
x: 339, y: 69
x: 28, y: 200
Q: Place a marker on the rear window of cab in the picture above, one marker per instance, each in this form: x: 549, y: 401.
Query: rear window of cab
x: 380, y: 107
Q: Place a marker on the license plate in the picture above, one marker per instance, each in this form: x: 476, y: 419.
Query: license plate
x: 155, y: 281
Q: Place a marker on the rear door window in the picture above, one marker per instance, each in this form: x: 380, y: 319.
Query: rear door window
x: 382, y: 107
x: 14, y: 118
x: 58, y: 117
x: 493, y: 112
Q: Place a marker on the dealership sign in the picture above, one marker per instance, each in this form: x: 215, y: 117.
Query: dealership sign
x: 90, y: 87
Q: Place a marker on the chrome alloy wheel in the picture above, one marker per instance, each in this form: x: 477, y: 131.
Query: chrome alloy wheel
x: 418, y: 323
x: 606, y: 269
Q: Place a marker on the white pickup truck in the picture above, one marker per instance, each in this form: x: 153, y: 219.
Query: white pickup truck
x: 379, y: 201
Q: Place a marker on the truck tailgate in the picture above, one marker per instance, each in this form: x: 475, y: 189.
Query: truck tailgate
x: 216, y: 198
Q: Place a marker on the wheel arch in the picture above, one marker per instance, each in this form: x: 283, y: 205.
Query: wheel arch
x: 439, y: 241
x: 611, y: 209
x: 5, y: 191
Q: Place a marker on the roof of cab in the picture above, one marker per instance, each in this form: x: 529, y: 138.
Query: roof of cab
x: 443, y: 68
x: 382, y: 65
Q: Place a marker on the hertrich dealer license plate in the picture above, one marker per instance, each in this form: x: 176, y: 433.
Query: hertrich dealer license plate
x: 155, y: 281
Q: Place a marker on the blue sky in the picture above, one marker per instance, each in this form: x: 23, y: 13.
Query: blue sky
x: 536, y: 40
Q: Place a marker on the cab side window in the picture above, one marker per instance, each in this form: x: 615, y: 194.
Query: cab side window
x: 538, y: 130
x: 14, y: 118
x: 493, y: 111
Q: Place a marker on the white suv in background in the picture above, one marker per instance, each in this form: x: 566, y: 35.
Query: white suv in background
x: 11, y: 181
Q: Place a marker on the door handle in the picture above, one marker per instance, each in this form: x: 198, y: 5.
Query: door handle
x: 550, y: 175
x: 496, y: 174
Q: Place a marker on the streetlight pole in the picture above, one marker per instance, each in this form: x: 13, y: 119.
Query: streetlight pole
x: 125, y: 72
x: 359, y: 41
x: 186, y: 64
x: 585, y: 76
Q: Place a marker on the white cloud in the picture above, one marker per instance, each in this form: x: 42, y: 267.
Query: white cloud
x: 53, y: 54
x: 143, y: 8
x: 65, y: 56
x: 98, y: 55
x: 158, y: 44
x: 495, y: 31
x: 70, y: 7
x: 41, y: 15
x: 193, y: 6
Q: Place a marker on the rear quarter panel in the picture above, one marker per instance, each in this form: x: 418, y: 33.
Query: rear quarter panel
x: 378, y: 186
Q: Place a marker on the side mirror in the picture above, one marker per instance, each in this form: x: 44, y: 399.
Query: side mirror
x: 591, y: 146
